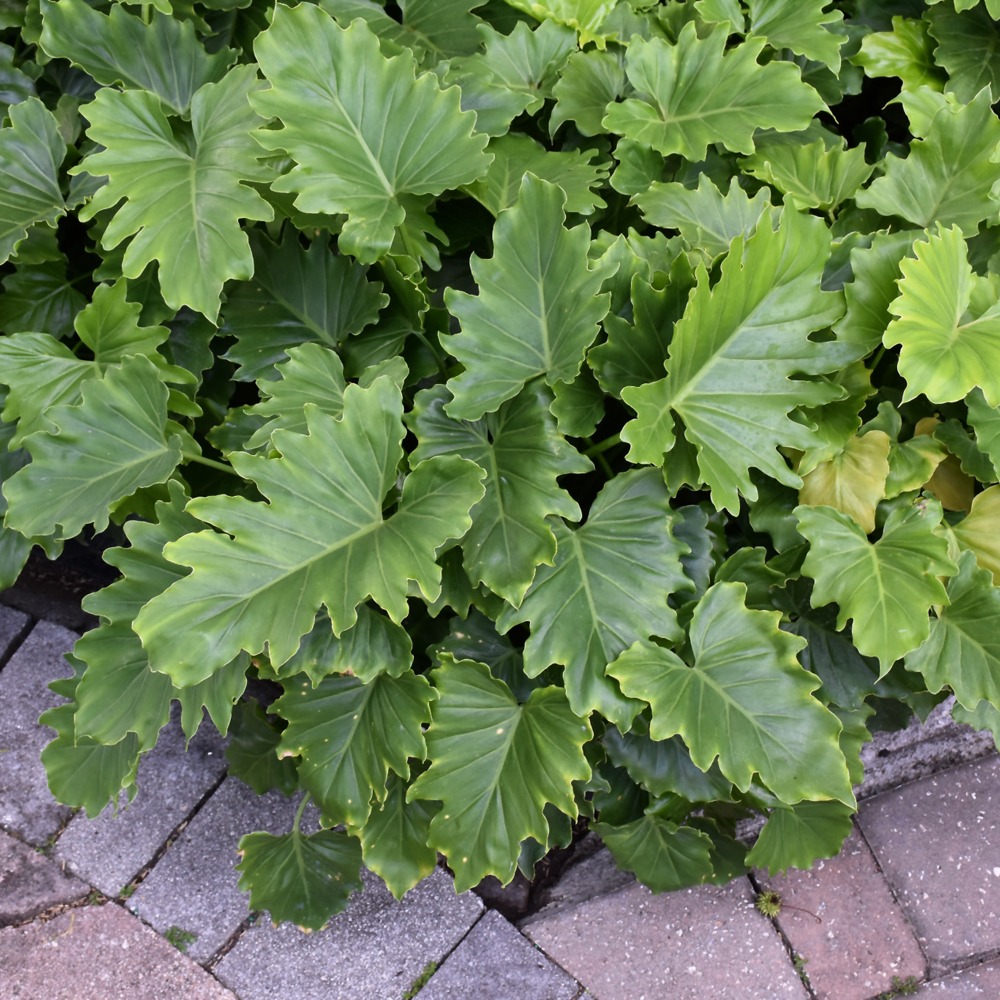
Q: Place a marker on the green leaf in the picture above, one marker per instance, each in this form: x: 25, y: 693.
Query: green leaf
x: 886, y: 587
x: 39, y: 297
x: 983, y: 716
x: 538, y: 305
x: 184, y: 195
x: 114, y: 442
x: 588, y: 82
x: 516, y: 155
x: 966, y: 48
x: 607, y: 588
x: 297, y: 296
x: 707, y: 219
x: 810, y: 175
x: 962, y: 651
x: 726, y: 12
x: 15, y: 86
x: 252, y: 752
x: 802, y: 26
x: 358, y: 150
x: 697, y: 92
x: 663, y: 855
x: 394, y: 840
x: 979, y: 531
x: 162, y: 56
x: 321, y: 539
x: 985, y: 420
x: 853, y: 481
x: 798, y: 836
x: 906, y: 52
x: 304, y: 879
x: 744, y: 701
x: 946, y: 322
x: 350, y: 734
x: 31, y: 151
x: 586, y: 16
x: 946, y: 176
x: 523, y: 454
x: 495, y: 764
x: 732, y: 358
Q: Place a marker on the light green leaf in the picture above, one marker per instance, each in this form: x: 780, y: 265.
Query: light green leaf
x: 732, y: 361
x: 966, y: 47
x: 516, y: 155
x: 31, y: 151
x: 495, y: 764
x: 947, y: 176
x: 912, y: 464
x: 810, y: 175
x: 798, y: 836
x: 886, y: 587
x: 162, y: 56
x: 538, y: 305
x: 586, y: 16
x: 350, y: 734
x: 588, y: 83
x: 114, y: 442
x: 853, y: 481
x: 907, y: 52
x: 802, y: 26
x: 697, y: 92
x: 297, y: 296
x: 985, y: 420
x: 663, y: 855
x: 394, y: 840
x: 184, y: 195
x: 359, y: 149
x: 727, y: 12
x: 81, y: 772
x: 523, y: 454
x: 707, y: 219
x: 321, y: 539
x: 962, y: 651
x: 607, y: 588
x: 299, y: 878
x: 947, y: 323
x: 744, y: 701
x: 992, y: 6
x: 979, y: 531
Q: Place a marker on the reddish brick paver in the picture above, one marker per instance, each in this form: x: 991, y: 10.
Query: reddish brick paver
x: 863, y: 939
x: 938, y: 843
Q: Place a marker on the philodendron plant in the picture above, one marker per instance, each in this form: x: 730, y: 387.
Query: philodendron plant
x: 563, y: 414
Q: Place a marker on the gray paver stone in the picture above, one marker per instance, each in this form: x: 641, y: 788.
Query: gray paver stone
x: 374, y: 950
x: 495, y: 960
x: 98, y: 953
x: 938, y: 843
x: 110, y: 850
x: 689, y: 945
x: 30, y: 882
x: 194, y: 885
x: 863, y: 940
x: 26, y: 804
x: 980, y: 981
x: 12, y: 624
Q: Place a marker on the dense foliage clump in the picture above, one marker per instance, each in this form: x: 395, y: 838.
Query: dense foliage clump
x: 566, y: 413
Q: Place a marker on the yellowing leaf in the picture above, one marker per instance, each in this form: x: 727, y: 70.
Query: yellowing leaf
x: 852, y: 482
x: 979, y: 531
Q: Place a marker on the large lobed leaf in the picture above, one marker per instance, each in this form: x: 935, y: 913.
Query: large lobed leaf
x: 322, y: 539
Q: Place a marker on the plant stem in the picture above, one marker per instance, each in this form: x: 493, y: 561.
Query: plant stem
x: 306, y: 799
x: 601, y: 446
x: 211, y: 463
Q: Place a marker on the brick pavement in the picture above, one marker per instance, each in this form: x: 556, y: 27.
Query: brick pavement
x: 915, y: 893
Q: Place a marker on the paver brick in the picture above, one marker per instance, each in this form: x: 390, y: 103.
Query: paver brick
x: 26, y: 804
x: 374, y: 949
x: 98, y: 953
x: 111, y: 849
x: 863, y: 939
x: 194, y: 885
x: 495, y: 960
x: 31, y: 882
x: 693, y: 944
x: 979, y: 981
x: 12, y: 624
x: 938, y: 843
